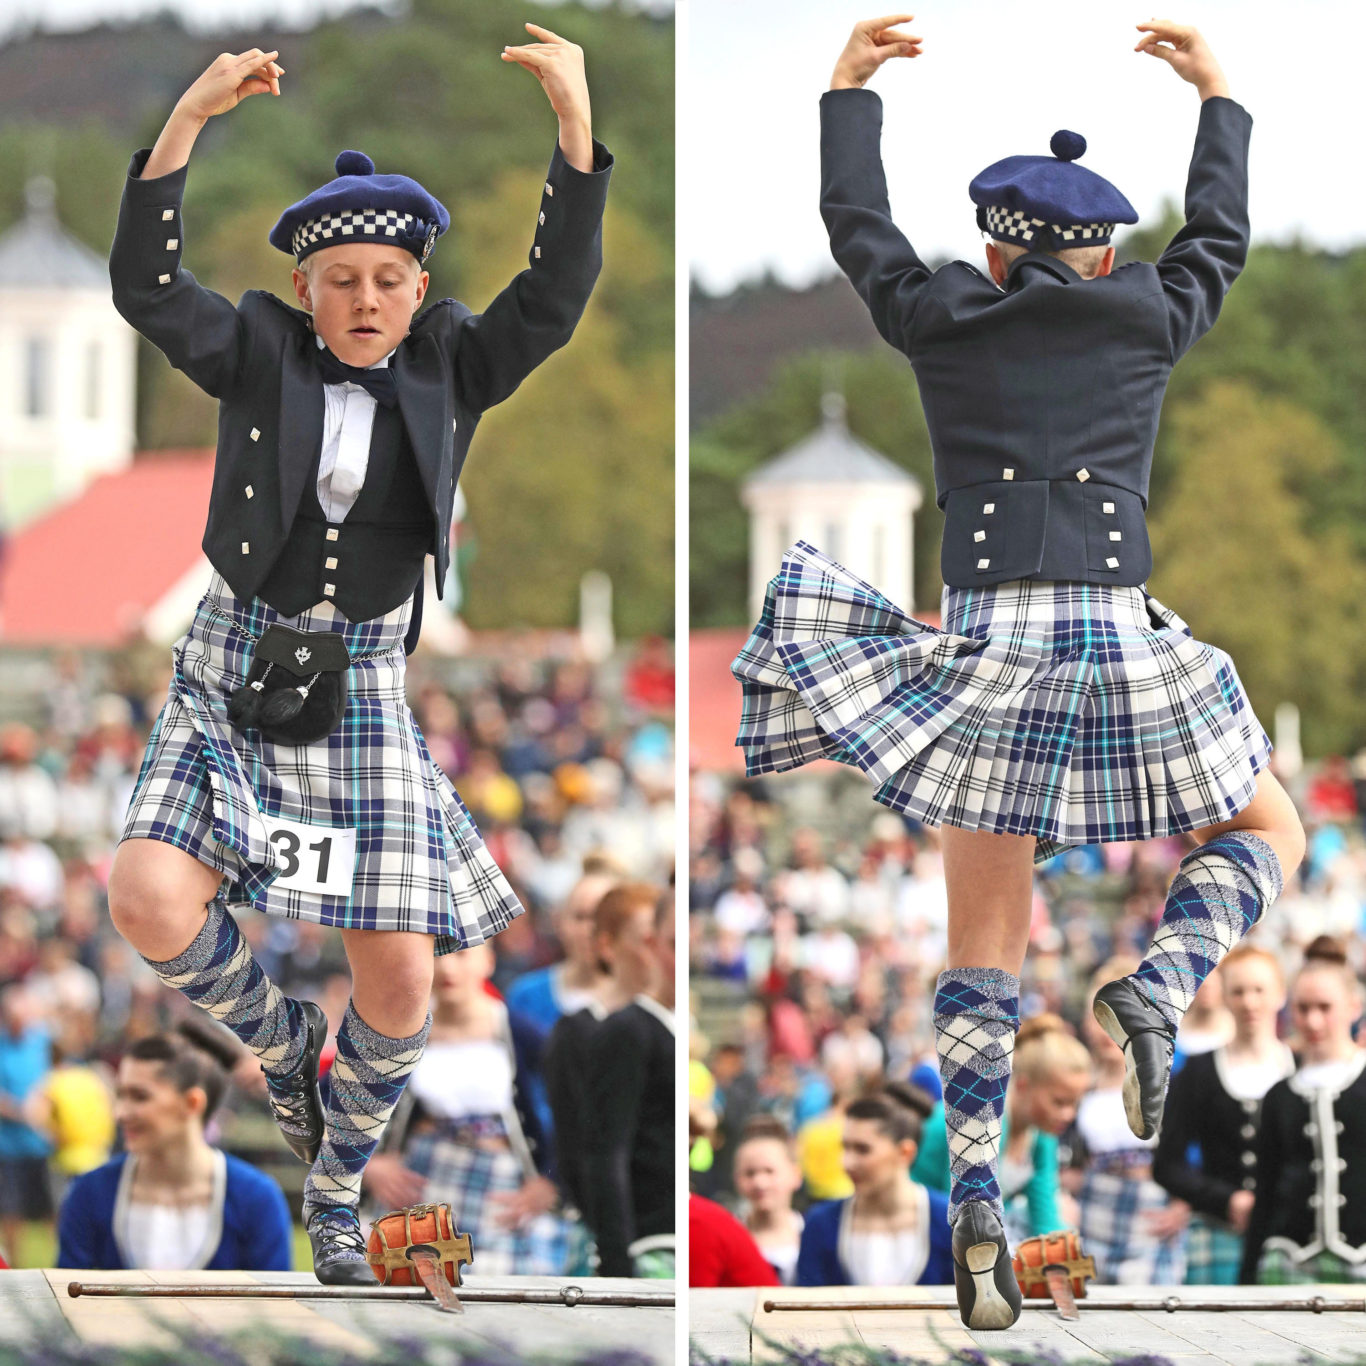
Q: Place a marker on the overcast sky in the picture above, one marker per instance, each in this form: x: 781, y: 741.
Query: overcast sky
x: 997, y: 79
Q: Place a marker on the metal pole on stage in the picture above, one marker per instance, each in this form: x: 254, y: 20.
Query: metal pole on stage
x: 1169, y: 1304
x: 569, y: 1295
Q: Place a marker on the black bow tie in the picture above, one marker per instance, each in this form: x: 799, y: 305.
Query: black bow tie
x: 379, y: 384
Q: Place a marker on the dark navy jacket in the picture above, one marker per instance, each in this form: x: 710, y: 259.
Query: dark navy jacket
x: 258, y: 360
x: 1042, y: 399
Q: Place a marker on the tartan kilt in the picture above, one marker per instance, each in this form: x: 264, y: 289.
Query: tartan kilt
x: 1078, y: 713
x: 1278, y: 1266
x: 465, y: 1177
x: 1111, y: 1207
x: 208, y: 789
x: 1214, y: 1252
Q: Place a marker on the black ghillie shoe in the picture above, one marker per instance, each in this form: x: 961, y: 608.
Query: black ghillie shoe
x: 1125, y: 1013
x: 988, y: 1293
x: 296, y: 1104
x: 338, y: 1248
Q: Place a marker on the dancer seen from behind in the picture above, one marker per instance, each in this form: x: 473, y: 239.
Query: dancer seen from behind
x: 286, y: 770
x: 1060, y: 704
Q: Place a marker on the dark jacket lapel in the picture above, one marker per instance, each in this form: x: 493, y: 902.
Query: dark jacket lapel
x: 301, y: 421
x: 426, y: 400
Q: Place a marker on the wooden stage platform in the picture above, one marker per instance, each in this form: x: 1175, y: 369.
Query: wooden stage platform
x: 731, y: 1325
x: 32, y: 1302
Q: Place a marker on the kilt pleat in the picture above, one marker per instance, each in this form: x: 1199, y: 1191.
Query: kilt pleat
x: 210, y: 789
x: 1078, y: 713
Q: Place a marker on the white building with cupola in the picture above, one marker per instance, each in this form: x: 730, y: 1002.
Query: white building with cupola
x: 67, y: 365
x: 842, y: 496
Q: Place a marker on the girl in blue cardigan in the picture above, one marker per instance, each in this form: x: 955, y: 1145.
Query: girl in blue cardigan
x: 171, y: 1201
x: 891, y: 1231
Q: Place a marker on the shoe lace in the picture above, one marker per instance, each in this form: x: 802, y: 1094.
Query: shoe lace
x: 288, y: 1095
x: 340, y: 1230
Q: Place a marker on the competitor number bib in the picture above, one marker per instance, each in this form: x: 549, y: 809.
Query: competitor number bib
x: 318, y: 859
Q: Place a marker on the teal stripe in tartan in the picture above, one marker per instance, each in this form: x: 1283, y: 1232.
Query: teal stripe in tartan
x: 1220, y: 890
x: 1074, y: 712
x: 205, y: 787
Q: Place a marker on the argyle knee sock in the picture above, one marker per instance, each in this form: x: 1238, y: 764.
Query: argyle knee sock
x: 365, y: 1084
x: 220, y: 974
x: 1219, y: 892
x: 976, y: 1014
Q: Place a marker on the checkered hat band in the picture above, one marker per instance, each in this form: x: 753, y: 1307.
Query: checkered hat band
x: 363, y: 224
x: 1016, y: 226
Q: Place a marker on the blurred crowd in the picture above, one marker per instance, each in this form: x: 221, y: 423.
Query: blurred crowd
x: 817, y: 931
x: 566, y: 767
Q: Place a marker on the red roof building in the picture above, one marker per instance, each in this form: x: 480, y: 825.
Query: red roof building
x: 120, y: 559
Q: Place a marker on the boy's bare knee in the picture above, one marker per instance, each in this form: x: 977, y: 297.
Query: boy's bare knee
x: 154, y: 904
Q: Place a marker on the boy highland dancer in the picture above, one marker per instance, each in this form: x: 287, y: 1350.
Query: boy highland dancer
x: 285, y: 770
x: 1060, y: 704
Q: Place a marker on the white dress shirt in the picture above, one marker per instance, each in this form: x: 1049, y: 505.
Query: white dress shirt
x: 348, y: 418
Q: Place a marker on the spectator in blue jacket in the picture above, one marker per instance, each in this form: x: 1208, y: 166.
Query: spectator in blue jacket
x: 171, y: 1201
x: 892, y: 1230
x: 25, y: 1061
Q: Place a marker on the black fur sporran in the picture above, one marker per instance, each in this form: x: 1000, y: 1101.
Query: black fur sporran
x: 296, y: 690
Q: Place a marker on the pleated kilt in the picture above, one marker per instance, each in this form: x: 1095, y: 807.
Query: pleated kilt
x: 1111, y: 1207
x: 210, y: 789
x: 1078, y: 713
x: 465, y: 1178
x: 1214, y: 1252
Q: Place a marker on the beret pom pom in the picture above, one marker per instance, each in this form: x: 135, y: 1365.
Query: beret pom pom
x: 357, y: 163
x: 1067, y: 146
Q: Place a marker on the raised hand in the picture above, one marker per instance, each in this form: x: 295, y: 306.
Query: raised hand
x: 873, y: 42
x: 228, y: 81
x: 231, y: 79
x: 1186, y: 52
x: 558, y: 65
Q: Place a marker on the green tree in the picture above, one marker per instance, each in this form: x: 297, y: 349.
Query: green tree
x: 1241, y: 554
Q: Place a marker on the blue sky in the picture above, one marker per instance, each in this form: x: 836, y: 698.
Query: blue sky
x: 997, y: 79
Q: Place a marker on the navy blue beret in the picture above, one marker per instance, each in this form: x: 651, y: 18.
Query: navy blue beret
x: 360, y: 206
x: 1049, y: 201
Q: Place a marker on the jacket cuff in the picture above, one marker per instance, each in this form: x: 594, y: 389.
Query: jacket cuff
x: 1224, y: 110
x: 572, y: 203
x: 149, y: 241
x: 163, y: 187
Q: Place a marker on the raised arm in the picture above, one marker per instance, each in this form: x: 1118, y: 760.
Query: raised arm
x: 537, y: 313
x: 867, y: 246
x: 199, y: 331
x: 1202, y: 261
